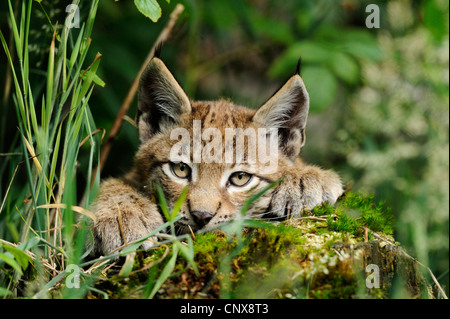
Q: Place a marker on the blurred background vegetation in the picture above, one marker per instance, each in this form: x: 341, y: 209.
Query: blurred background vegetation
x: 379, y: 97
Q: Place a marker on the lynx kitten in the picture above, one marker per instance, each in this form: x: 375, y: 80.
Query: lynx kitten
x: 223, y: 152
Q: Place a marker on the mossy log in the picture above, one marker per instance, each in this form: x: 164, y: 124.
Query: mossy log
x: 275, y: 265
x: 387, y: 265
x: 344, y: 251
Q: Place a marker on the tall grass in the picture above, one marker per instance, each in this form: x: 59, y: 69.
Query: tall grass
x: 54, y: 126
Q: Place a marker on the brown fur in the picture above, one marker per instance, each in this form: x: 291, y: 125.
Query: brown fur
x: 124, y: 209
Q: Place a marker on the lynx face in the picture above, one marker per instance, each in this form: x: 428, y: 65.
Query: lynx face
x: 221, y: 151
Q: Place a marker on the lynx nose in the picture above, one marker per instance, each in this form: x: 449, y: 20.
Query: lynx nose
x: 202, y: 218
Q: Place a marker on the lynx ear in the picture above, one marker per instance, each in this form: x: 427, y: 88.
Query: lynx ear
x: 161, y: 100
x: 287, y: 110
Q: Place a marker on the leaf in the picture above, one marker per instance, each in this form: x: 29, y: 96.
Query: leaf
x: 256, y: 196
x: 10, y: 261
x: 188, y: 253
x: 95, y: 78
x: 20, y: 256
x: 434, y: 19
x: 178, y: 203
x: 361, y: 50
x: 135, y: 245
x: 88, y: 77
x: 128, y: 265
x: 277, y: 30
x: 165, y: 273
x: 321, y: 85
x: 132, y: 247
x: 77, y: 209
x: 149, y: 8
x: 221, y: 14
x: 345, y: 67
x: 4, y: 292
x: 43, y: 292
x: 30, y: 243
x: 162, y: 202
x: 253, y: 223
x: 309, y: 52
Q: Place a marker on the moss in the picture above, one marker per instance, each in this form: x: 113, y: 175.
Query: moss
x: 375, y: 216
x: 344, y: 224
x: 292, y: 259
x: 354, y: 212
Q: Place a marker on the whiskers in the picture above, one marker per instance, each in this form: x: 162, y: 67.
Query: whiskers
x: 272, y: 215
x: 180, y: 229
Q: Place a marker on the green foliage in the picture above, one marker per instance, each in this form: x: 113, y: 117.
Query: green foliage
x: 354, y: 212
x: 177, y: 246
x: 52, y: 137
x: 344, y: 224
x: 13, y: 261
x: 149, y: 8
x: 328, y: 57
x: 435, y: 18
x: 393, y: 141
x: 379, y: 113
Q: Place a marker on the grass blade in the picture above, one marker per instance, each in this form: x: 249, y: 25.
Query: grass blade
x: 176, y: 208
x: 162, y: 202
x: 165, y: 273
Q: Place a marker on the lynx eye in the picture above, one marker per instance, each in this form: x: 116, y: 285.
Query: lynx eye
x: 240, y: 179
x: 180, y: 170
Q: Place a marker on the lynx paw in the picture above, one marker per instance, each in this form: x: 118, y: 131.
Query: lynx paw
x: 111, y: 231
x: 310, y: 187
x: 123, y: 218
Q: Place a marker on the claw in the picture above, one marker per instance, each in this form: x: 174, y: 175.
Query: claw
x: 288, y: 210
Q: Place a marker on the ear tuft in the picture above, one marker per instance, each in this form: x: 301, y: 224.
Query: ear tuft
x: 158, y: 50
x: 287, y: 110
x: 299, y: 66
